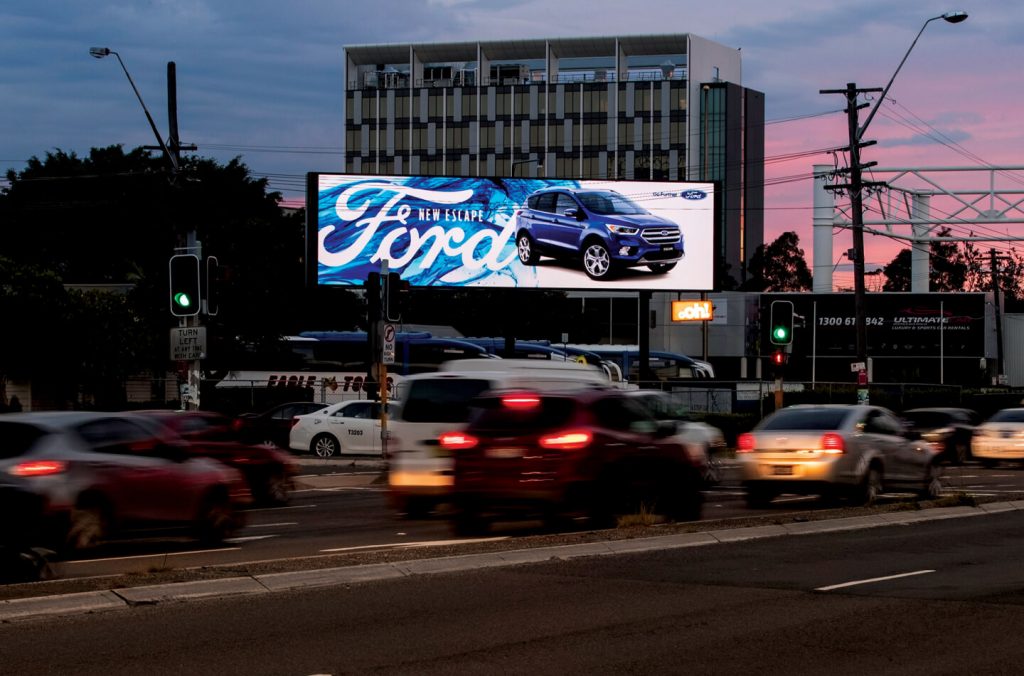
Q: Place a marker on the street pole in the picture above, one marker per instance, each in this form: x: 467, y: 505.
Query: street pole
x: 994, y: 264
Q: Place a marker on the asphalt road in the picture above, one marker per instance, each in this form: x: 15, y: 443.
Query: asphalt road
x: 929, y: 598
x: 343, y: 509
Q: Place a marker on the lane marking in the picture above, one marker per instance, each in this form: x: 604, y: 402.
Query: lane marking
x: 149, y: 556
x: 400, y: 545
x: 873, y: 579
x: 270, y: 509
x: 251, y: 538
x: 273, y: 525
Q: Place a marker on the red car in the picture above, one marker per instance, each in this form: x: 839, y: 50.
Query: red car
x: 595, y: 452
x: 269, y: 471
x: 92, y: 476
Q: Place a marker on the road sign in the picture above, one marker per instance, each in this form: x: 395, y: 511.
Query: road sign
x: 188, y: 343
x: 389, y: 344
x: 858, y: 366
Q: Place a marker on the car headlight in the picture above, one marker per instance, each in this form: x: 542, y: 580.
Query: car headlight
x: 623, y: 229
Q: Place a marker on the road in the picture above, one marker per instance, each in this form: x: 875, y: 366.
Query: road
x: 936, y: 597
x: 343, y: 509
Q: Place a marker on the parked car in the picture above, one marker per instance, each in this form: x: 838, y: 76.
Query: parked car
x: 594, y: 452
x: 835, y: 451
x: 272, y: 427
x: 602, y: 228
x: 1001, y: 437
x: 705, y: 443
x: 419, y: 469
x: 99, y: 475
x: 348, y: 428
x: 949, y: 430
x: 269, y: 471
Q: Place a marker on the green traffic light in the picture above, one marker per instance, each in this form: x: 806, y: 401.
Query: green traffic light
x: 182, y: 299
x: 780, y: 333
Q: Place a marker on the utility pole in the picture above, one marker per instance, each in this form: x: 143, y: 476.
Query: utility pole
x: 994, y: 264
x: 855, y: 188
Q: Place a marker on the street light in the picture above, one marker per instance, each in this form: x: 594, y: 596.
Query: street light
x: 857, y: 183
x: 99, y: 53
x: 516, y: 163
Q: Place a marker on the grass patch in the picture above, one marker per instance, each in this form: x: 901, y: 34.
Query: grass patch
x: 644, y: 517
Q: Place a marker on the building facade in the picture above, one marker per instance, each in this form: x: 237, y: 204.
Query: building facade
x: 657, y: 107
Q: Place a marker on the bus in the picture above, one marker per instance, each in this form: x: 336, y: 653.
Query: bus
x: 332, y: 366
x: 545, y: 350
x: 665, y: 366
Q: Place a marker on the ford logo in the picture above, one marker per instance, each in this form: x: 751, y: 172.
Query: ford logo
x: 693, y: 194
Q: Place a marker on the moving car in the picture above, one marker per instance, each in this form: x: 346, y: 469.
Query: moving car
x: 602, y: 228
x: 949, y: 430
x: 1001, y: 437
x: 593, y: 452
x: 272, y: 427
x: 419, y: 469
x: 835, y: 451
x: 100, y: 475
x: 704, y: 443
x: 269, y: 472
x: 351, y: 427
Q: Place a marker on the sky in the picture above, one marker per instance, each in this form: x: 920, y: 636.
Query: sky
x: 262, y: 80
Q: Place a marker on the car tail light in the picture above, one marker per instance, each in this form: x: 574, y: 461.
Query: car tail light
x: 520, y: 401
x: 567, y: 441
x: 458, y: 441
x: 745, y: 443
x: 236, y: 424
x: 39, y: 468
x: 295, y: 420
x: 833, y: 443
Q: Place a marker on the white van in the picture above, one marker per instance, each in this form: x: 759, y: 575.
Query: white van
x: 420, y: 474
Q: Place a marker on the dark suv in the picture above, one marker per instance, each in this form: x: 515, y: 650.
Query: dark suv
x: 596, y: 453
x: 606, y: 230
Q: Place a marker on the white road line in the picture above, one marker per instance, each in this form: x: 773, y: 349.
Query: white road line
x: 250, y: 538
x: 426, y: 543
x: 273, y: 525
x: 874, y: 579
x: 268, y: 509
x: 150, y: 556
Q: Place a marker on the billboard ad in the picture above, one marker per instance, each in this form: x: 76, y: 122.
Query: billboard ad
x: 442, y: 231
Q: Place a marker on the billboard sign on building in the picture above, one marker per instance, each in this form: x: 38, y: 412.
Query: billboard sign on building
x: 439, y: 231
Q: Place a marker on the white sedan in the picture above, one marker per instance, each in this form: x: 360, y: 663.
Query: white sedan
x: 1001, y: 437
x: 351, y: 427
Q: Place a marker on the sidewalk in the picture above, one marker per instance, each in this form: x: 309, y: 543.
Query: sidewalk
x: 114, y: 599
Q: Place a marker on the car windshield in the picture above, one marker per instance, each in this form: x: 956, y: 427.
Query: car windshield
x: 443, y: 400
x: 609, y: 204
x: 806, y: 419
x: 492, y: 415
x: 17, y: 438
x: 1009, y: 415
x: 927, y: 419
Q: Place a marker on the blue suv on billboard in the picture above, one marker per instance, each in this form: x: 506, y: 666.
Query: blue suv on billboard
x: 603, y: 229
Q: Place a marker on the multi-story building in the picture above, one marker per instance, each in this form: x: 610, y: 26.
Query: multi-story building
x: 652, y: 107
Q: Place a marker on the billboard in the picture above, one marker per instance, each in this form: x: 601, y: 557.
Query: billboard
x: 442, y: 231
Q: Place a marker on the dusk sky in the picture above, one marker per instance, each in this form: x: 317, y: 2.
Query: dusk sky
x: 263, y: 80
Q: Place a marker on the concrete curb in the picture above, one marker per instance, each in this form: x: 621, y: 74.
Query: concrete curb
x: 91, y: 602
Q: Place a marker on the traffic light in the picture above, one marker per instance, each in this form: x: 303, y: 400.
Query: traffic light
x: 395, y: 292
x: 778, y: 358
x: 372, y: 299
x: 184, y: 285
x: 213, y: 279
x: 781, y: 327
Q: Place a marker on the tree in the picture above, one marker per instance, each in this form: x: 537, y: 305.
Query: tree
x: 779, y: 266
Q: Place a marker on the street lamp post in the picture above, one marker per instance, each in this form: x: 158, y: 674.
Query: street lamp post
x: 516, y: 163
x: 857, y: 183
x: 99, y: 53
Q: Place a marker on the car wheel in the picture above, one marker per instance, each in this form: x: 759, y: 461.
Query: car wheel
x: 758, y: 498
x: 870, y: 488
x: 217, y: 520
x: 597, y: 261
x: 87, y: 528
x: 932, y: 483
x: 324, y: 445
x: 276, y: 489
x: 961, y: 452
x: 524, y: 246
x: 661, y: 267
x: 469, y: 521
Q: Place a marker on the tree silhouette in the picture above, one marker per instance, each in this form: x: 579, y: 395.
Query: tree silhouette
x: 779, y: 266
